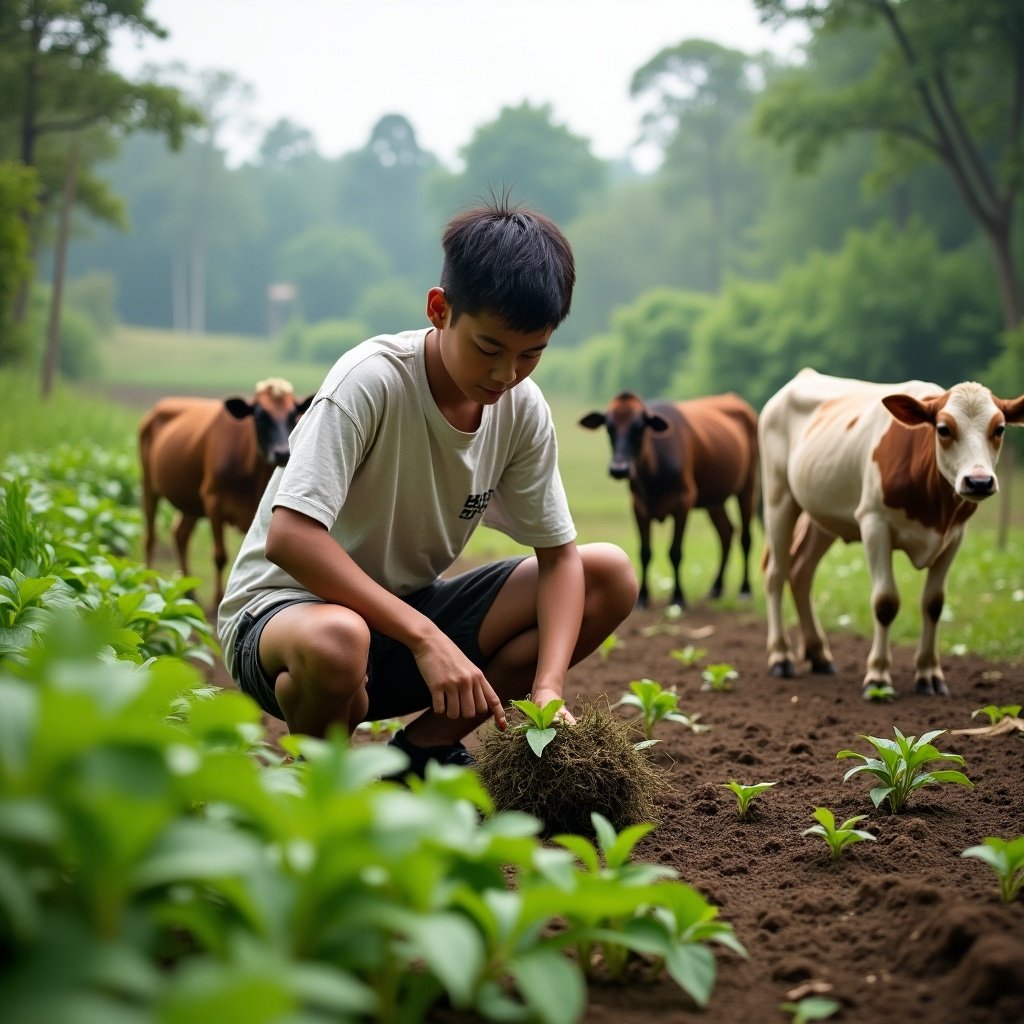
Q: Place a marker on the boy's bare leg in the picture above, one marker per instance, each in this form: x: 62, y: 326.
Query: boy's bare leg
x: 318, y: 654
x: 508, y: 633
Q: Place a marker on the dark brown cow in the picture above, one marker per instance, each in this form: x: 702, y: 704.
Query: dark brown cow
x: 214, y: 458
x: 680, y: 456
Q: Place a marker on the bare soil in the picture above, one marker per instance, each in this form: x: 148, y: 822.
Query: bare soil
x: 901, y: 929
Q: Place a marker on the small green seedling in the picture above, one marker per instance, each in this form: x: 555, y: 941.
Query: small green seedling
x: 384, y: 727
x: 688, y: 655
x: 810, y: 1008
x: 901, y: 766
x: 746, y: 795
x: 879, y: 694
x: 996, y: 714
x: 608, y: 645
x: 539, y: 727
x: 838, y: 837
x: 1006, y: 858
x: 657, y: 704
x: 718, y: 677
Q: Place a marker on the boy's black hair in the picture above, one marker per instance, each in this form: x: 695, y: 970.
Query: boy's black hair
x: 510, y: 262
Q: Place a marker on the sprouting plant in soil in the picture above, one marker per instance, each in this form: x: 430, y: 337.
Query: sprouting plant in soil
x: 383, y: 727
x: 879, y: 694
x: 539, y: 727
x: 608, y: 645
x: 838, y: 837
x: 996, y: 713
x: 901, y: 766
x: 810, y: 1008
x: 689, y: 655
x: 1006, y: 858
x: 657, y: 704
x: 719, y: 677
x: 746, y: 795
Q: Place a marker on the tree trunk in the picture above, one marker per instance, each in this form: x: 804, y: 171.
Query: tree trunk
x: 1006, y: 274
x: 67, y: 206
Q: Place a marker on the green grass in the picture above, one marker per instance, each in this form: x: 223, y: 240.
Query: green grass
x: 985, y: 592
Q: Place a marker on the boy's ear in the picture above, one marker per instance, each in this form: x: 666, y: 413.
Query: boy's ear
x: 437, y: 307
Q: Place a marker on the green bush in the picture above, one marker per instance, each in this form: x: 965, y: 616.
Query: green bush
x: 95, y: 295
x: 325, y: 341
x: 17, y: 200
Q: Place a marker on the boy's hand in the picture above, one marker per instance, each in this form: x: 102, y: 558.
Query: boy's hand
x: 543, y: 695
x: 459, y: 689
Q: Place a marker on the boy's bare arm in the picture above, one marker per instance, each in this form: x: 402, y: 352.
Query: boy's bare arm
x: 305, y: 550
x: 560, y: 594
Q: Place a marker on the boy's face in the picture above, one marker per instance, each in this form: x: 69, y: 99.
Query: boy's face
x: 481, y: 355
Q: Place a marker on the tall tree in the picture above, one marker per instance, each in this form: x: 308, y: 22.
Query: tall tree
x: 947, y: 87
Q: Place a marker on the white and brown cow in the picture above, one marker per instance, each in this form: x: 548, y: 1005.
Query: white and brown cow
x: 680, y: 456
x: 212, y: 458
x: 897, y: 466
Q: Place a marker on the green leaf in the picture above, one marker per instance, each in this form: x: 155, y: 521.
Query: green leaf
x: 539, y: 739
x: 550, y: 985
x: 692, y: 968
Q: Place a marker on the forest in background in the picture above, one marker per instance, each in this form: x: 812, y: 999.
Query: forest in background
x: 855, y: 210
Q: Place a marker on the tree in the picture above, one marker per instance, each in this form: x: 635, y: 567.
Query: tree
x: 947, y: 86
x: 543, y: 163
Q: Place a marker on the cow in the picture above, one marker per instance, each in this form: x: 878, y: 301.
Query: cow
x: 896, y: 466
x: 679, y: 456
x: 213, y: 459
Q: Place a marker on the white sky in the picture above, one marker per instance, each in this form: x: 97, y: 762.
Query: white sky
x: 337, y: 66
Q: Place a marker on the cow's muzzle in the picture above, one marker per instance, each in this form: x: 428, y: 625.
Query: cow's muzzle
x: 977, y: 486
x: 617, y: 471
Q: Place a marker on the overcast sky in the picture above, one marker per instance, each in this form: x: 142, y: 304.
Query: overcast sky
x: 337, y: 66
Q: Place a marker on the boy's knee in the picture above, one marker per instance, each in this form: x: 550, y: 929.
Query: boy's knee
x: 335, y: 653
x: 610, y: 576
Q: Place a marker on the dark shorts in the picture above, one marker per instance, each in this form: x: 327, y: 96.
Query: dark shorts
x: 457, y: 606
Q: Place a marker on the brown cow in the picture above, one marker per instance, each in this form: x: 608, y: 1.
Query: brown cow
x: 206, y: 460
x: 679, y: 456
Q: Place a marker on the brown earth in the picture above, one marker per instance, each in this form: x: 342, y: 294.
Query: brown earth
x: 903, y: 928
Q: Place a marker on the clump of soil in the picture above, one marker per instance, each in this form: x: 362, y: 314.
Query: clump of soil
x: 593, y: 765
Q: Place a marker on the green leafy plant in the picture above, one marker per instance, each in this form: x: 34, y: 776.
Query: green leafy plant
x: 539, y: 727
x: 996, y: 713
x: 746, y: 795
x: 608, y: 644
x: 879, y: 694
x: 718, y: 677
x: 901, y: 766
x: 657, y: 704
x: 689, y: 655
x: 838, y: 837
x: 810, y: 1008
x: 383, y: 727
x: 1006, y: 858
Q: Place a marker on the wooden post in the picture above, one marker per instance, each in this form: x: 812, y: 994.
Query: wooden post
x: 1005, y: 501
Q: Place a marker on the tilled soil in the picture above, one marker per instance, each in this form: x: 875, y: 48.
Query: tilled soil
x: 901, y: 929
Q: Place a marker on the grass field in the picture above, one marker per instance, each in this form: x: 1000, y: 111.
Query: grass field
x: 985, y: 600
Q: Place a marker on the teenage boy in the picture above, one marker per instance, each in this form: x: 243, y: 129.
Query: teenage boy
x: 335, y: 610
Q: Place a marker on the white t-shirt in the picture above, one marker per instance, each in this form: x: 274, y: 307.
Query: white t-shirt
x: 400, y: 489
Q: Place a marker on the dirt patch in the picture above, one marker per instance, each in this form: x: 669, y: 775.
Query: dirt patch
x: 901, y: 929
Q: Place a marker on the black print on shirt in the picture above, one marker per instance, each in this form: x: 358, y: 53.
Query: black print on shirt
x: 475, y: 505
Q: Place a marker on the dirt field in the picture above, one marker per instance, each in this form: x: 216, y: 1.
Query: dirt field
x: 902, y: 929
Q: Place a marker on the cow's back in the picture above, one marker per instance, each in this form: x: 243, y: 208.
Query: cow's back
x: 173, y: 439
x: 721, y: 431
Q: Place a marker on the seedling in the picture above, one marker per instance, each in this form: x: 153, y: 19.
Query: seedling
x: 539, y: 727
x: 718, y: 677
x: 996, y: 714
x: 384, y: 727
x: 879, y: 694
x: 657, y: 704
x: 837, y: 837
x: 608, y: 645
x: 689, y: 655
x: 746, y: 795
x: 810, y: 1008
x: 900, y: 766
x: 1006, y: 858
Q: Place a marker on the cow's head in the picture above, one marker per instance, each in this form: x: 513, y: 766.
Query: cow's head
x: 969, y: 423
x: 275, y: 412
x: 627, y: 420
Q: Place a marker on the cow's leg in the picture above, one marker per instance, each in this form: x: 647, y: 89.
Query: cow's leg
x: 928, y: 675
x: 885, y: 602
x: 643, y: 525
x: 220, y: 556
x: 746, y: 502
x: 724, y: 528
x: 183, y: 527
x: 149, y: 503
x: 675, y: 554
x: 810, y: 549
x: 780, y: 515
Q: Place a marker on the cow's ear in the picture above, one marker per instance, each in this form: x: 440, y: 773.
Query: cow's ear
x: 1012, y: 409
x: 909, y: 410
x: 657, y: 423
x: 592, y: 420
x: 239, y: 407
x: 305, y: 403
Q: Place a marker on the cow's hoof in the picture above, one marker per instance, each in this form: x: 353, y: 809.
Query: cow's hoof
x: 783, y: 669
x: 933, y: 686
x: 879, y: 692
x: 823, y: 667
